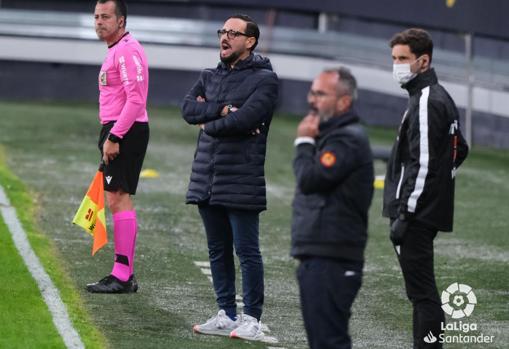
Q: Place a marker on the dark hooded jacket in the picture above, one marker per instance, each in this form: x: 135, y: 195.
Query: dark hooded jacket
x: 334, y: 192
x: 228, y: 166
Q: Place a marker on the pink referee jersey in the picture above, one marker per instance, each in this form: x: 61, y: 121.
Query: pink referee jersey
x: 123, y: 85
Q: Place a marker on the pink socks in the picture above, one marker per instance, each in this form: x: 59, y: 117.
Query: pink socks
x: 124, y: 230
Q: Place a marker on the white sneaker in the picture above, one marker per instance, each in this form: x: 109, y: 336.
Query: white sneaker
x: 219, y: 325
x: 249, y: 328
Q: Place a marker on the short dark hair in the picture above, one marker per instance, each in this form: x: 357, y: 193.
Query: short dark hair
x: 347, y: 84
x: 419, y: 41
x: 251, y: 28
x: 120, y: 8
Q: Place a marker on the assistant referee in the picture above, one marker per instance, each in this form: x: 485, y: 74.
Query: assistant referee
x: 123, y: 90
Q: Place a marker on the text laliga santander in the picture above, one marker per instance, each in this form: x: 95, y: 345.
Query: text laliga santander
x: 464, y: 327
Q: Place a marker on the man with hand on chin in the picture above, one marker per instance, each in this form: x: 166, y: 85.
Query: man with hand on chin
x: 419, y: 184
x: 333, y: 167
x: 233, y: 105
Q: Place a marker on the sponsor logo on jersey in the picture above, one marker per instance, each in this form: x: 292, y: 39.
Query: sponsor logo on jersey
x: 123, y: 69
x: 139, y: 69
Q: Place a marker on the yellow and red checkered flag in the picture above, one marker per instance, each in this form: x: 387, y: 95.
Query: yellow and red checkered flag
x: 90, y: 216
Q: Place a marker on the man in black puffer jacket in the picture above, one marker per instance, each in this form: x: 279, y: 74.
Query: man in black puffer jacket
x: 334, y: 172
x: 233, y: 105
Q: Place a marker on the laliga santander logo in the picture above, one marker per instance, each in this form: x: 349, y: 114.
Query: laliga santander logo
x: 430, y: 338
x: 458, y: 300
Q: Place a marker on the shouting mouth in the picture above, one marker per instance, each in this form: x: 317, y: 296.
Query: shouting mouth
x: 226, y: 49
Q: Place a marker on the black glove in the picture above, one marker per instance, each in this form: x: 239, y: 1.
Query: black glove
x: 398, y: 231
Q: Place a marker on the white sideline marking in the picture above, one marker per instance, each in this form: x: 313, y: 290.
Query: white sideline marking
x: 205, y: 269
x: 49, y: 292
x: 202, y: 264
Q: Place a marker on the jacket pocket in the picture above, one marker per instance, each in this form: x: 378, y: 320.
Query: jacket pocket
x: 307, y: 212
x: 248, y: 152
x: 252, y: 151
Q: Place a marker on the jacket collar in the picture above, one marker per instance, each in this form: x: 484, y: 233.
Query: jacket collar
x: 116, y: 42
x: 253, y: 61
x: 429, y: 77
x: 338, y: 121
x: 240, y: 64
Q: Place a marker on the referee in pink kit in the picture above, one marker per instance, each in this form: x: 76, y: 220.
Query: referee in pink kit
x: 123, y: 89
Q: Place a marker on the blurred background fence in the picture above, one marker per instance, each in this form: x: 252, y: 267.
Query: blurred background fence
x: 49, y: 51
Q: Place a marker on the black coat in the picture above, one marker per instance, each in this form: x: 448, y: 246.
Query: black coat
x: 419, y: 183
x: 228, y: 166
x: 334, y: 192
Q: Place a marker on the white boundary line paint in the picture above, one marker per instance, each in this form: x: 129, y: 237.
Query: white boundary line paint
x: 89, y: 52
x: 48, y: 290
x: 205, y: 269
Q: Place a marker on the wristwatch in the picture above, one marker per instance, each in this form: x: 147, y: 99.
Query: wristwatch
x: 113, y: 138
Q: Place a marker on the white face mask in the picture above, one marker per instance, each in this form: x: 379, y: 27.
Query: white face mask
x: 402, y: 73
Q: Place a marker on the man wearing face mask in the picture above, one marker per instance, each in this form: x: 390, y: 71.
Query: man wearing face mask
x: 333, y: 167
x: 419, y: 184
x: 233, y: 105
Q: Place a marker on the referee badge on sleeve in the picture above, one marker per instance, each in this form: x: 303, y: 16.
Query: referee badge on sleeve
x: 328, y: 159
x: 102, y: 78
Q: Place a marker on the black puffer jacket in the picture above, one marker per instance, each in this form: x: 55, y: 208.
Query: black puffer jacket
x: 334, y: 192
x: 419, y: 183
x: 228, y: 166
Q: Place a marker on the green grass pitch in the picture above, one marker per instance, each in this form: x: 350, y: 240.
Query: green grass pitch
x: 52, y: 150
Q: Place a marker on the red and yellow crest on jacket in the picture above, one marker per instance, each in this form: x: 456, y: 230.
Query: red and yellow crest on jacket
x: 328, y: 159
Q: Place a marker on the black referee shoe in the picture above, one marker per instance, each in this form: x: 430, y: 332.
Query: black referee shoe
x: 111, y: 284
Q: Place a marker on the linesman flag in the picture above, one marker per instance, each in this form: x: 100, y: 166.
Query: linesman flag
x: 90, y: 216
